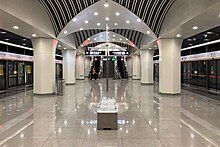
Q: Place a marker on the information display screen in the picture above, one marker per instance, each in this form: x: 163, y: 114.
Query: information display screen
x: 118, y: 53
x: 95, y: 53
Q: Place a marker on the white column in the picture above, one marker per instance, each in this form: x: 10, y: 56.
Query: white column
x: 69, y: 66
x: 80, y: 66
x: 170, y: 66
x: 136, y: 67
x: 87, y: 66
x: 44, y: 65
x: 147, y: 69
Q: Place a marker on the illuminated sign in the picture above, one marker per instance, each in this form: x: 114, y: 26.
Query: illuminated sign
x: 95, y: 53
x: 118, y: 53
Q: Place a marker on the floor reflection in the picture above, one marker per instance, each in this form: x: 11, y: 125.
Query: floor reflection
x: 146, y: 118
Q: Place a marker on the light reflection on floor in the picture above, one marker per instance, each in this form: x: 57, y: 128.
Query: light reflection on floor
x: 146, y: 118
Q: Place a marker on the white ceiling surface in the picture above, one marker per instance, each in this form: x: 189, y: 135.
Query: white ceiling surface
x: 26, y: 13
x: 103, y: 12
x: 201, y: 13
x: 113, y: 37
x: 7, y: 22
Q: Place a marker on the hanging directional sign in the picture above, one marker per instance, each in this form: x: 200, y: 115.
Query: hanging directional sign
x: 95, y: 53
x: 118, y: 53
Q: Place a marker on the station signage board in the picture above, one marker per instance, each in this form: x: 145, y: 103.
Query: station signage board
x: 118, y: 53
x: 95, y: 53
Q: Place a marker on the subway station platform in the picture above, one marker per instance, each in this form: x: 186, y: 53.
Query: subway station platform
x: 146, y: 118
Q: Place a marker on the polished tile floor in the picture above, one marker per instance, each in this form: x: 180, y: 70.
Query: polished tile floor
x: 146, y: 118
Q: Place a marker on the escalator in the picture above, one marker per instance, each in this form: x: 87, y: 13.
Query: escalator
x: 122, y: 68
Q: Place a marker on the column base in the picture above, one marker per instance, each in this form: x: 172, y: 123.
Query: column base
x: 70, y: 83
x: 44, y: 93
x: 147, y: 83
x: 170, y: 93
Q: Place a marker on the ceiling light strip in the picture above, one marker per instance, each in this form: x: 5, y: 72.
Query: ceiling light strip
x: 201, y: 45
x: 15, y: 45
x: 23, y: 47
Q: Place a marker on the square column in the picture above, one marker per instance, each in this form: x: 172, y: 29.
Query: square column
x: 147, y: 68
x: 69, y: 66
x: 170, y: 65
x: 44, y: 65
x: 136, y: 67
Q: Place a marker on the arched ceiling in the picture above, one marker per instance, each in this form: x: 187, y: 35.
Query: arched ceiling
x: 152, y: 12
x: 134, y: 36
x: 108, y: 37
x: 122, y: 45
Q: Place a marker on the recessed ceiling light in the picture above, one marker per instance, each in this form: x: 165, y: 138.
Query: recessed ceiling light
x: 86, y: 21
x: 88, y: 38
x: 113, y: 39
x: 116, y: 24
x: 189, y: 39
x: 107, y: 19
x: 65, y: 32
x: 155, y: 46
x: 24, y: 39
x: 138, y: 20
x: 195, y: 28
x: 24, y: 44
x: 120, y: 39
x: 190, y: 44
x: 95, y: 39
x: 65, y: 48
x: 15, y: 27
x: 3, y: 32
x: 194, y: 39
x: 98, y: 24
x: 74, y: 19
x: 91, y: 42
x: 82, y: 45
x: 96, y: 13
x: 178, y: 35
x: 127, y: 21
x: 59, y: 45
x: 81, y: 29
x: 114, y: 35
x: 106, y: 5
x: 205, y: 35
x: 34, y: 35
x: 124, y: 42
x: 150, y: 48
x: 7, y: 39
x: 117, y: 13
x: 148, y: 32
x: 126, y: 38
x: 210, y: 33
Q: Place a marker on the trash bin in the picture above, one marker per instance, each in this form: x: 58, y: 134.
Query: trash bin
x: 60, y: 84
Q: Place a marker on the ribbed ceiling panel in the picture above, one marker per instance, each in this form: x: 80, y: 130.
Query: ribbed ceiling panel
x: 152, y: 12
